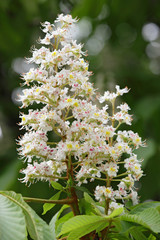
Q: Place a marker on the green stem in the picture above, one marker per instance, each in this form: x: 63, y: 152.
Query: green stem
x: 116, y: 180
x: 101, y: 179
x: 69, y: 117
x: 49, y: 176
x: 62, y: 201
x: 120, y: 175
x: 52, y: 143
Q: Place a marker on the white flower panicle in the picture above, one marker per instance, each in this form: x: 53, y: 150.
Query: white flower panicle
x: 85, y: 132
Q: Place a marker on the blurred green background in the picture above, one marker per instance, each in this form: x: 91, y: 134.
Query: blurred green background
x: 123, y: 43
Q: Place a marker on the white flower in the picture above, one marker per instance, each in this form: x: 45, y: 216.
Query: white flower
x: 48, y: 27
x: 121, y: 91
x: 108, y: 97
x: 134, y: 197
x: 111, y: 169
x: 66, y: 19
x: 102, y: 192
x: 124, y: 107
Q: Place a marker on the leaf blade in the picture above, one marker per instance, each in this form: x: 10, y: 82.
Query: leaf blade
x: 49, y: 206
x: 12, y: 220
x: 149, y: 218
x: 37, y: 228
x: 81, y: 221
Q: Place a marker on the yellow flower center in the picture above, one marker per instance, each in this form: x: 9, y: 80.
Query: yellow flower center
x: 71, y: 76
x: 112, y: 169
x: 69, y: 146
x: 89, y: 90
x: 54, y: 53
x: 69, y: 100
x: 43, y: 116
x: 76, y: 104
x: 28, y: 146
x: 108, y: 190
x: 23, y: 119
x: 136, y: 167
x: 120, y: 147
x: 108, y: 132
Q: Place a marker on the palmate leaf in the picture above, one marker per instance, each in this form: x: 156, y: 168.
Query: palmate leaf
x: 12, y: 221
x: 37, y: 228
x: 79, y: 226
x: 149, y: 218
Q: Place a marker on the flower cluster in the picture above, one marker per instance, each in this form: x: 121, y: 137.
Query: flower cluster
x: 89, y: 137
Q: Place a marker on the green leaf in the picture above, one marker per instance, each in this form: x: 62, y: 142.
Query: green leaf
x: 49, y: 206
x: 123, y: 227
x: 82, y: 231
x: 137, y: 234
x: 37, y: 228
x: 142, y: 206
x: 90, y: 200
x: 149, y: 218
x: 115, y: 212
x: 82, y: 224
x: 59, y: 222
x: 12, y: 220
x: 56, y: 185
x: 151, y: 237
x: 85, y: 207
x: 52, y: 225
x: 118, y: 236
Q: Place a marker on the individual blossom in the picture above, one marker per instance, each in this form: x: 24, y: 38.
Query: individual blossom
x: 111, y: 169
x: 101, y: 192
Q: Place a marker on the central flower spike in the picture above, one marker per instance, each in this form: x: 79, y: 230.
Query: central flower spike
x: 88, y: 143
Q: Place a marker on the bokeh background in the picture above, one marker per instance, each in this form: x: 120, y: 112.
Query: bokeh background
x: 123, y: 43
